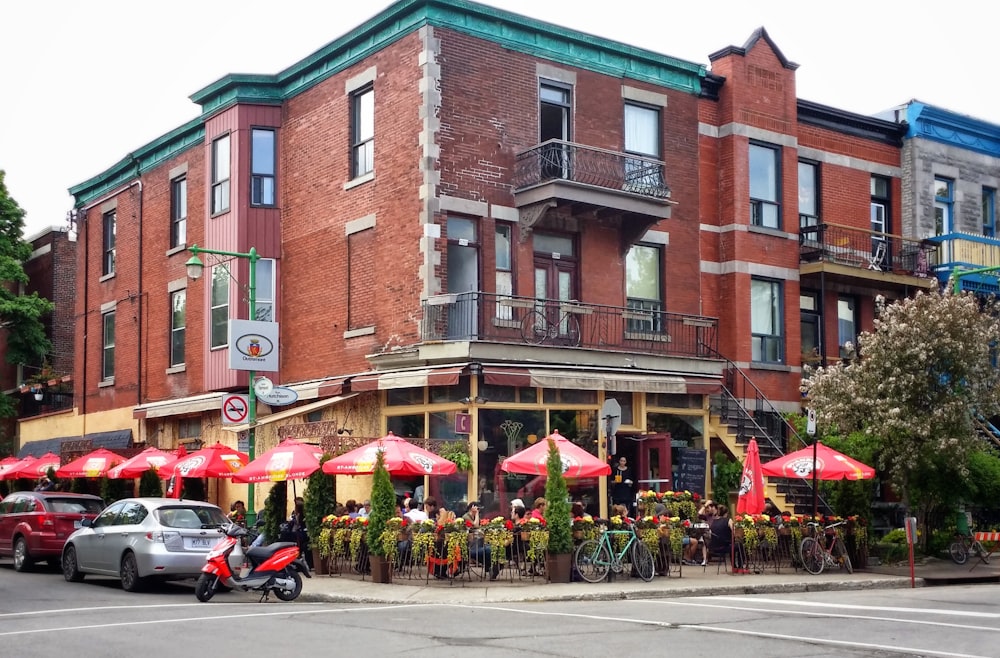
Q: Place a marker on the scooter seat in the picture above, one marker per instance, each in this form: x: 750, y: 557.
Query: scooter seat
x: 258, y: 554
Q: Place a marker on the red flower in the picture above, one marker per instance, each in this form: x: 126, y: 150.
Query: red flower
x: 509, y: 524
x: 686, y: 523
x: 695, y: 497
x: 468, y: 524
x: 403, y: 524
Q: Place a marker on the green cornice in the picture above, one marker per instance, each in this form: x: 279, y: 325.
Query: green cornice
x: 513, y: 31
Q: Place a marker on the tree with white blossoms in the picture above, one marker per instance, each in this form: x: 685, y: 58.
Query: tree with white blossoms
x: 921, y: 380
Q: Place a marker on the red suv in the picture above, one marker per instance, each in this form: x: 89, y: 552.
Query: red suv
x: 34, y: 525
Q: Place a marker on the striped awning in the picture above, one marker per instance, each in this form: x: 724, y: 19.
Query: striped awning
x: 377, y: 381
x: 596, y: 380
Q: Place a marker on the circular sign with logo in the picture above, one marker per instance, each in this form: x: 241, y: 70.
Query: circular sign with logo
x: 263, y: 386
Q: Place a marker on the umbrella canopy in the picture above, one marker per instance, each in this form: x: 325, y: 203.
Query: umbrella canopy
x: 401, y: 458
x: 132, y: 468
x: 751, y: 500
x: 7, y: 468
x: 289, y: 460
x: 216, y: 461
x: 576, y: 462
x: 35, y: 468
x: 92, y: 465
x: 830, y: 465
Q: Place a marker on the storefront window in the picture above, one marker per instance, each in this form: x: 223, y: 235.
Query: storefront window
x: 408, y: 427
x: 404, y: 396
x: 569, y: 396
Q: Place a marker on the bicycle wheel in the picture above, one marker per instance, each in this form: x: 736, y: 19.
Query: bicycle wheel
x: 572, y: 331
x: 534, y: 327
x: 813, y: 558
x: 591, y: 560
x: 981, y: 551
x: 843, y: 557
x: 958, y: 553
x: 642, y: 561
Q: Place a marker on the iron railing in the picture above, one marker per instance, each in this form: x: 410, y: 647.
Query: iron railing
x: 50, y: 403
x: 866, y: 250
x: 560, y: 160
x: 967, y: 251
x: 483, y: 316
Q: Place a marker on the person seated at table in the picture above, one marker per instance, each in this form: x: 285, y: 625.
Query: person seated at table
x: 479, y: 552
x: 721, y: 541
x: 413, y: 512
x: 772, y: 512
x: 578, y: 511
x: 707, y: 511
x: 538, y: 510
x: 621, y: 511
x: 431, y: 509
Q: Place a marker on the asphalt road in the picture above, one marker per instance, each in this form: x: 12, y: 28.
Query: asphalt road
x: 42, y: 615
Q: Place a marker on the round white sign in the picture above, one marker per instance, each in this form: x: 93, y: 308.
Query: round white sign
x: 263, y: 386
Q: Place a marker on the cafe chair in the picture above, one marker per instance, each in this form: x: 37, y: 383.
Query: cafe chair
x: 721, y: 558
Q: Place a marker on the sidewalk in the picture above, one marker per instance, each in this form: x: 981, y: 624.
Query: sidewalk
x: 695, y: 582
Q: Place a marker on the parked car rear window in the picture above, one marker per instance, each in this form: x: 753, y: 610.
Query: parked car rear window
x: 75, y: 505
x: 190, y: 517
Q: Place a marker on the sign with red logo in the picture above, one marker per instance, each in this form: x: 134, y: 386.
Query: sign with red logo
x: 235, y: 409
x: 253, y: 345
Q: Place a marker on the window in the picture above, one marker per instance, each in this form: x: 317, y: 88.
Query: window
x: 810, y: 327
x: 764, y: 208
x: 846, y: 326
x: 642, y: 137
x: 554, y: 101
x: 643, y: 289
x: 765, y: 321
x: 362, y: 132
x: 808, y: 195
x: 220, y: 306
x: 264, y: 290
x: 880, y: 222
x: 220, y: 175
x: 463, y: 276
x: 110, y: 228
x: 189, y: 428
x: 989, y: 212
x: 262, y: 157
x: 505, y: 268
x: 178, y: 323
x: 108, y: 346
x: 178, y: 212
x: 944, y: 205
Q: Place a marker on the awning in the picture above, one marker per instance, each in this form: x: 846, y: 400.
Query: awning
x: 377, y: 381
x: 189, y: 405
x: 112, y: 440
x: 290, y: 413
x: 642, y: 382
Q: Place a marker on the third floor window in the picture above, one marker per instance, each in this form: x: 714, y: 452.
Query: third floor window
x: 808, y: 194
x: 764, y: 187
x: 220, y: 175
x: 262, y: 168
x: 989, y: 212
x: 109, y: 226
x: 944, y: 202
x: 178, y: 212
x: 362, y: 132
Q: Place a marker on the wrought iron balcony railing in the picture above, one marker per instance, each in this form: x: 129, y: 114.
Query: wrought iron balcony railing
x: 866, y: 250
x: 482, y: 316
x: 560, y: 160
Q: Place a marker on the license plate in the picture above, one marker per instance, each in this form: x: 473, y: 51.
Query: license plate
x: 200, y: 542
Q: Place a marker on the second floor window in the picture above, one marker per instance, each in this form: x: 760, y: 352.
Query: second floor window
x: 989, y: 212
x: 110, y: 228
x: 944, y: 202
x: 767, y: 340
x: 178, y: 326
x: 642, y: 137
x: 264, y: 291
x: 643, y: 289
x: 220, y: 175
x: 362, y: 132
x: 764, y: 188
x: 108, y: 346
x: 505, y: 268
x: 178, y: 212
x: 847, y: 326
x: 262, y: 169
x: 220, y: 306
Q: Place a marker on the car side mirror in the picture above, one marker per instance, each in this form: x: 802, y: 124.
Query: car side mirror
x: 86, y: 523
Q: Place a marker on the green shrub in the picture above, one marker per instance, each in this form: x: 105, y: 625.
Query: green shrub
x: 150, y: 484
x: 557, y: 513
x: 383, y: 506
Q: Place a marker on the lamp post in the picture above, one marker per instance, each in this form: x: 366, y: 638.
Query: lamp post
x: 194, y: 270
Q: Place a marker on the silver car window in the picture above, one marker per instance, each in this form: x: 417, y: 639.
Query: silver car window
x: 107, y: 517
x: 133, y: 513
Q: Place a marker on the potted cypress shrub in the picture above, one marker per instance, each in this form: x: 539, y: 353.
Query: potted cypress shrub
x: 150, y: 484
x: 321, y: 501
x: 558, y: 558
x: 383, y: 509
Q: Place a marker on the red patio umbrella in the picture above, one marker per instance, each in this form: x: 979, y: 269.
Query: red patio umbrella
x: 8, y: 468
x: 215, y: 461
x: 751, y: 500
x: 35, y: 468
x: 576, y: 462
x: 92, y: 465
x: 829, y: 465
x: 401, y: 458
x: 289, y: 460
x: 132, y: 468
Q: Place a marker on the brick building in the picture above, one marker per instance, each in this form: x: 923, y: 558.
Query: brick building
x: 460, y: 210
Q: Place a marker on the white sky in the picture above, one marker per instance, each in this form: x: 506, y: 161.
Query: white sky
x: 85, y: 83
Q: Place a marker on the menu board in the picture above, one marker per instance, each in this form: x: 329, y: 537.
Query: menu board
x: 690, y: 471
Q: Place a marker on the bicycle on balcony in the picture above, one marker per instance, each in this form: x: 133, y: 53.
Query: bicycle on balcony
x: 557, y: 325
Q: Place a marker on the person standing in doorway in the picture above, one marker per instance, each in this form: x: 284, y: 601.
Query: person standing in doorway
x: 621, y: 485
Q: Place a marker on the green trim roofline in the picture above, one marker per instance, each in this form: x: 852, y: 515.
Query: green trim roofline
x: 510, y: 30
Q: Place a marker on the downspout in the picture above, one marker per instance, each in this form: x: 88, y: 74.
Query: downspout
x: 139, y: 344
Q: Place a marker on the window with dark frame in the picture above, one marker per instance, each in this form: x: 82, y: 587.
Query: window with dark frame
x: 220, y: 306
x: 767, y: 339
x: 944, y: 202
x: 810, y: 326
x: 362, y: 131
x: 108, y: 346
x: 808, y: 196
x: 880, y: 226
x: 178, y: 212
x: 262, y: 167
x: 847, y: 326
x: 642, y: 138
x: 264, y: 289
x: 220, y: 175
x: 765, y: 209
x: 109, y: 225
x: 989, y: 212
x: 504, y: 255
x: 644, y: 288
x: 178, y: 326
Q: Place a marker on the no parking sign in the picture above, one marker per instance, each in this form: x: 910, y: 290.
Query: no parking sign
x: 235, y: 409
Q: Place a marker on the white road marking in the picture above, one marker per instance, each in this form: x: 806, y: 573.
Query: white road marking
x: 848, y: 606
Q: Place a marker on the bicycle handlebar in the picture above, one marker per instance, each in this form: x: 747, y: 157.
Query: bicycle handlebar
x: 817, y: 524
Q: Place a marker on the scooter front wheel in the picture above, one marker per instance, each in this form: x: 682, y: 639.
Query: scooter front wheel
x: 290, y: 594
x: 205, y: 588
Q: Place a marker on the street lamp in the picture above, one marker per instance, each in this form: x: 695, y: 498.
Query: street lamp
x: 194, y: 270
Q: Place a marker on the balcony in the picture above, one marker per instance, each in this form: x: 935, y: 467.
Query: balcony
x: 967, y: 251
x: 589, y: 181
x: 845, y: 248
x: 487, y: 317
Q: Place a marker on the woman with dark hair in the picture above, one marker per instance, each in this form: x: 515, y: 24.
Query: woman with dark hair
x: 721, y: 542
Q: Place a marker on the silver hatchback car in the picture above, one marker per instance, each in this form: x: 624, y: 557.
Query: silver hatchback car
x: 136, y: 539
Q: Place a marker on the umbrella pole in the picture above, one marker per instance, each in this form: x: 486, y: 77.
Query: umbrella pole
x: 815, y: 490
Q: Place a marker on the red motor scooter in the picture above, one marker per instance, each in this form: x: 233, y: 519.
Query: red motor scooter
x: 274, y: 568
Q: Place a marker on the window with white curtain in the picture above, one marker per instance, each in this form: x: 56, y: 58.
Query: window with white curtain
x: 642, y: 138
x: 765, y: 321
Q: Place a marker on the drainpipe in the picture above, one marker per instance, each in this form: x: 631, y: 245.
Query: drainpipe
x: 139, y: 344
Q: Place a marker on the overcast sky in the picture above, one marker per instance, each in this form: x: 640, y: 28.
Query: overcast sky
x: 85, y: 83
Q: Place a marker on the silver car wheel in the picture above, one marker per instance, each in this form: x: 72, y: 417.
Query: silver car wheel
x: 131, y: 582
x: 22, y: 561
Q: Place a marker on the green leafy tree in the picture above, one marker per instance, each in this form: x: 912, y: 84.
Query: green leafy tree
x: 557, y: 513
x: 112, y: 490
x: 150, y: 484
x: 922, y: 378
x: 321, y: 500
x: 275, y: 507
x: 383, y: 506
x: 20, y: 315
x: 726, y: 474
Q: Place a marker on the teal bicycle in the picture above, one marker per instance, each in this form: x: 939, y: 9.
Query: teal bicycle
x: 595, y: 558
